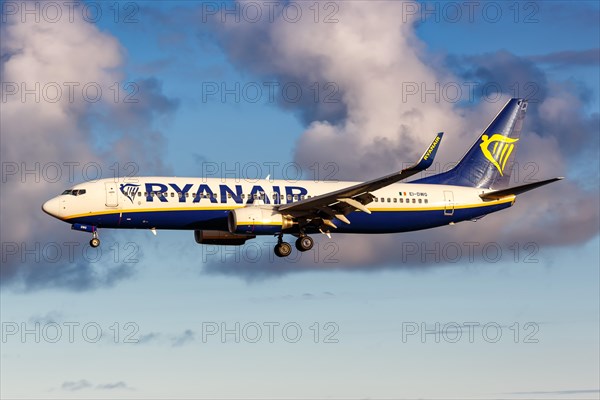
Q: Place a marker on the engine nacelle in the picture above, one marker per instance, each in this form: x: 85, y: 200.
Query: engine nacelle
x: 221, y: 238
x: 257, y: 220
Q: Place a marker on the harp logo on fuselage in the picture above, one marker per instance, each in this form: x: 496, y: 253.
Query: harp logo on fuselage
x: 130, y: 190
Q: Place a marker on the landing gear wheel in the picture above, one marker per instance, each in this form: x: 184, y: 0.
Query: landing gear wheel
x: 282, y: 249
x: 304, y: 243
x: 95, y: 242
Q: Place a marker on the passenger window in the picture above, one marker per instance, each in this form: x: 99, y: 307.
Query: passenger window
x: 414, y: 201
x: 389, y: 200
x: 426, y: 201
x: 376, y: 199
x: 295, y: 197
x: 420, y: 201
x: 382, y: 200
x: 395, y: 200
x: 289, y: 197
x: 180, y: 195
x: 172, y: 194
x: 401, y: 200
x: 139, y: 194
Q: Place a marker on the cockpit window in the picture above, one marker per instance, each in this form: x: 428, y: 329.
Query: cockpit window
x: 74, y: 192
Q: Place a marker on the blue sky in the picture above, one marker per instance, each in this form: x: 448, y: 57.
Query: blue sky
x: 143, y: 312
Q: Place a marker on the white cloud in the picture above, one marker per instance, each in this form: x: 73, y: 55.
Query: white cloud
x: 372, y: 55
x: 51, y: 127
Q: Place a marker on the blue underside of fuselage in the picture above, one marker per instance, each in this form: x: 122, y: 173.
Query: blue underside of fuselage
x: 377, y: 222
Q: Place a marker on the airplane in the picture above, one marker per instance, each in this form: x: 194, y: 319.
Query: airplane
x: 227, y: 212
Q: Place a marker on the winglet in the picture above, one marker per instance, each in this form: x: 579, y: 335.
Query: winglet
x: 427, y: 158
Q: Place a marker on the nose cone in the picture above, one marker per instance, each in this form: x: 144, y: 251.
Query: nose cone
x: 51, y: 207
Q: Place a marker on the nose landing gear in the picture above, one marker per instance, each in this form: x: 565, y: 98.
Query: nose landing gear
x: 95, y: 242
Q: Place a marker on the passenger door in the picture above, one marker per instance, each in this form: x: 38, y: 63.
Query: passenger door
x: 448, y: 203
x: 112, y: 196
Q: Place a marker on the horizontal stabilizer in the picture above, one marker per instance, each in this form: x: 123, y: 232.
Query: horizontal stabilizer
x: 498, y: 194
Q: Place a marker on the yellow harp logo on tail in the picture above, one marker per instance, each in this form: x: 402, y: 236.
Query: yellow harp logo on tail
x: 500, y: 150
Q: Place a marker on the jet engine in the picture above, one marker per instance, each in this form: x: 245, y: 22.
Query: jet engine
x: 220, y: 238
x: 255, y: 219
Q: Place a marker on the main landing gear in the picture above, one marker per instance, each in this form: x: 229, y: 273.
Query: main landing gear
x: 284, y: 249
x: 304, y: 243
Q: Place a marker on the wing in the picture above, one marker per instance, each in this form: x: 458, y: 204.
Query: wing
x: 320, y: 210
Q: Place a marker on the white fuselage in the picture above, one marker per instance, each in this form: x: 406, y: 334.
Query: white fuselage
x: 203, y: 203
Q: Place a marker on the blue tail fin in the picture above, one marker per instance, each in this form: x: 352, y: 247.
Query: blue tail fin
x: 489, y: 162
